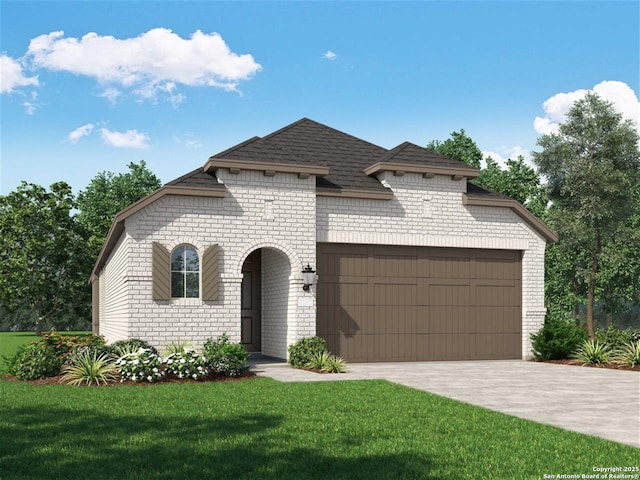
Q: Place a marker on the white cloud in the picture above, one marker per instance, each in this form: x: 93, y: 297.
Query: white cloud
x: 111, y: 94
x: 154, y: 62
x: 619, y: 94
x: 80, y: 132
x: 12, y: 76
x: 187, y: 140
x: 329, y: 55
x: 128, y: 139
x: 31, y: 106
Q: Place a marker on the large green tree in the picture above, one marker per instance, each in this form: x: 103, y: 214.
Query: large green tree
x: 106, y: 195
x: 43, y: 260
x: 592, y: 166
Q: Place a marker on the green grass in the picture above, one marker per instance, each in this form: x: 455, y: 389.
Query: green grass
x: 264, y: 429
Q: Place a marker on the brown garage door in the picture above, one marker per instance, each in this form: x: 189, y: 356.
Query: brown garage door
x: 393, y: 303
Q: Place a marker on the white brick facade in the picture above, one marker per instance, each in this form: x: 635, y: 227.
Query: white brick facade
x: 238, y: 225
x: 282, y: 215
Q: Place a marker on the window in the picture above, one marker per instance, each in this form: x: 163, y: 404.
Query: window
x: 185, y: 272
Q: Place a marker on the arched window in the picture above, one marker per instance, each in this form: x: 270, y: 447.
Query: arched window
x: 185, y: 272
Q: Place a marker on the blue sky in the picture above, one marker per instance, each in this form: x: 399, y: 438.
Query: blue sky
x: 175, y: 82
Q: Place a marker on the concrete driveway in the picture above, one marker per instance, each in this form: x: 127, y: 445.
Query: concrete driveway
x: 599, y: 402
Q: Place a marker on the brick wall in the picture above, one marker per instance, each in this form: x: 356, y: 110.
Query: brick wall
x: 282, y: 215
x: 258, y: 212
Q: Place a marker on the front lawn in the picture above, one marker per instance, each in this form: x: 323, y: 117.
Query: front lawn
x: 265, y: 429
x: 270, y: 430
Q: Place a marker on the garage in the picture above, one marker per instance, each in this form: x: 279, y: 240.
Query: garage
x: 380, y: 303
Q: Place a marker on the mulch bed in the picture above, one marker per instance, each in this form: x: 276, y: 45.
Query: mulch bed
x: 576, y: 363
x: 212, y: 377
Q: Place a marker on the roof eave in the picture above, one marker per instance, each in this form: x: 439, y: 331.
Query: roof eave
x: 535, y: 223
x: 215, y: 163
x: 353, y: 193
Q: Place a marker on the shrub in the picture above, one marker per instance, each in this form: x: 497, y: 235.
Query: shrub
x: 132, y: 345
x: 592, y: 351
x: 89, y: 367
x: 64, y: 345
x: 225, y: 358
x: 34, y: 361
x: 629, y: 354
x: 557, y: 339
x: 302, y: 352
x: 187, y: 364
x: 97, y: 350
x: 140, y: 366
x: 614, y: 337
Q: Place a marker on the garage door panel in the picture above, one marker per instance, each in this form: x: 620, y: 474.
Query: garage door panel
x: 394, y: 347
x: 385, y: 303
x: 394, y: 294
x: 496, y: 346
x: 494, y: 268
x: 447, y: 294
x: 394, y: 266
x: 500, y: 319
x: 394, y: 320
x: 449, y: 267
x: 352, y: 294
x: 357, y: 348
x: 490, y: 295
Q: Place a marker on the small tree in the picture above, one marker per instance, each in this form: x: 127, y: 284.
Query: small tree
x: 592, y: 165
x: 43, y: 261
x: 106, y: 195
x: 459, y: 147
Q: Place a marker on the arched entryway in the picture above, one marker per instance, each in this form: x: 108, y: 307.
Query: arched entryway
x: 265, y: 294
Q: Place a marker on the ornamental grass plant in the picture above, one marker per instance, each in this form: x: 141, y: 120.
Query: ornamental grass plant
x: 89, y: 367
x: 593, y: 352
x: 629, y: 354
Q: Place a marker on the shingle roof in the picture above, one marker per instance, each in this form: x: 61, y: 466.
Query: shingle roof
x: 310, y: 143
x: 307, y: 143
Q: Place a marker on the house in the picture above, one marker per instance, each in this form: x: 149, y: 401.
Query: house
x: 412, y: 261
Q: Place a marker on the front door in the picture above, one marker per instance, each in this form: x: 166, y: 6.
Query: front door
x: 251, y: 323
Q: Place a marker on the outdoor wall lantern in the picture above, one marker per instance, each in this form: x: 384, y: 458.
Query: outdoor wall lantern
x: 309, y: 277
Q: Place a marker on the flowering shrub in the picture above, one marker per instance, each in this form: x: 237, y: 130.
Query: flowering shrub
x: 187, y: 364
x: 140, y: 366
x: 64, y: 345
